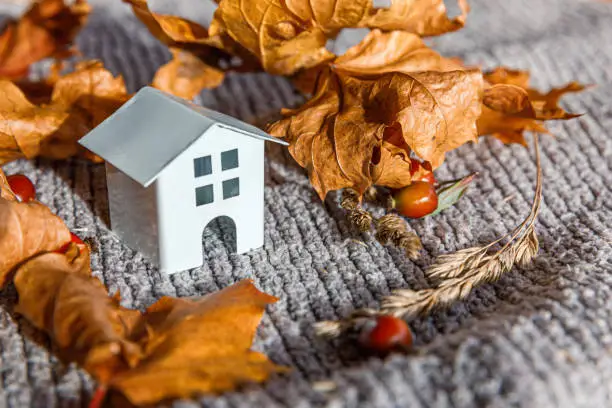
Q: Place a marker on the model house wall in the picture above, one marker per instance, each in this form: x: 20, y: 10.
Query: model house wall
x: 133, y: 212
x: 188, y: 202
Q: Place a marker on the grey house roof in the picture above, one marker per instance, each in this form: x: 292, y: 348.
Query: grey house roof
x: 153, y: 128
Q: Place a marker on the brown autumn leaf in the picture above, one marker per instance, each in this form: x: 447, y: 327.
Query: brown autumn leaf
x: 289, y: 36
x: 195, y: 54
x: 5, y: 189
x: 199, y: 346
x: 78, y: 102
x: 58, y: 296
x: 355, y: 133
x: 27, y: 229
x: 186, y: 75
x: 92, y: 90
x: 422, y: 17
x: 381, y: 52
x: 395, y: 51
x: 47, y: 29
x: 511, y: 107
x: 339, y: 135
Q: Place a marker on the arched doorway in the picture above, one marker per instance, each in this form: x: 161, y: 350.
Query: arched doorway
x: 220, y: 232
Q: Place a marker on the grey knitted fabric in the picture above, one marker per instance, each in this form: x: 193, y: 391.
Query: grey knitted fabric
x: 540, y: 337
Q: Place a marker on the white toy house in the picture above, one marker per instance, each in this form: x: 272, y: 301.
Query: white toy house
x: 172, y: 167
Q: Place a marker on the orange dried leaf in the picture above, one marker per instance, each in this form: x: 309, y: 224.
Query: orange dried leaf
x: 289, y: 36
x: 422, y: 17
x: 511, y: 107
x: 338, y: 134
x: 47, y: 29
x: 168, y: 29
x: 24, y: 126
x: 274, y: 33
x: 194, y: 64
x: 199, y: 346
x: 395, y: 51
x: 383, y: 52
x: 386, y: 97
x: 59, y: 297
x: 5, y: 189
x: 26, y: 229
x: 79, y: 101
x: 186, y: 75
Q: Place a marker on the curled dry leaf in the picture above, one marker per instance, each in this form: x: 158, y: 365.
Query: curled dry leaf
x: 5, y: 189
x: 186, y: 75
x: 177, y: 348
x: 289, y: 36
x: 77, y: 103
x: 422, y: 17
x: 196, y: 346
x: 59, y: 296
x: 511, y: 107
x: 26, y: 229
x: 195, y: 54
x: 47, y: 29
x: 363, y: 120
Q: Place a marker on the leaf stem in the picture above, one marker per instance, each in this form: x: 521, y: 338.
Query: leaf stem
x: 99, y: 396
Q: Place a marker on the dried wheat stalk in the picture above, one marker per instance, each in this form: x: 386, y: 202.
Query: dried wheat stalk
x: 389, y: 228
x: 459, y: 272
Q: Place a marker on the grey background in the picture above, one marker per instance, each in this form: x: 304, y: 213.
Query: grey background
x: 540, y: 337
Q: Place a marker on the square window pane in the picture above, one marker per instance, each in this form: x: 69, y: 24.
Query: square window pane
x: 229, y: 159
x: 231, y: 188
x: 204, y: 195
x: 202, y: 166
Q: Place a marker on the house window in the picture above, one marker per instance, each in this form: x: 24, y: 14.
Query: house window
x: 231, y: 188
x: 204, y: 195
x: 202, y: 166
x: 229, y: 159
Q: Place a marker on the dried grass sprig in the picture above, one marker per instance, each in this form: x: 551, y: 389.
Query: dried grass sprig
x: 333, y: 328
x: 390, y: 228
x: 459, y: 272
x: 357, y: 216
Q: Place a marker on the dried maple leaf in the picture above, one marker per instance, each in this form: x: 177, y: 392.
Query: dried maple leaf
x: 47, y: 29
x: 511, y: 107
x: 386, y: 97
x: 26, y: 229
x: 195, y: 54
x: 199, y: 346
x: 57, y: 295
x: 79, y: 101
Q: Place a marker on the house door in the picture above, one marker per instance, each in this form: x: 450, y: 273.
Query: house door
x: 220, y: 232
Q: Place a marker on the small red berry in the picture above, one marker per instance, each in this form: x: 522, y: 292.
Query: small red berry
x: 416, y: 200
x: 428, y: 178
x: 73, y: 239
x: 22, y: 187
x: 389, y: 333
